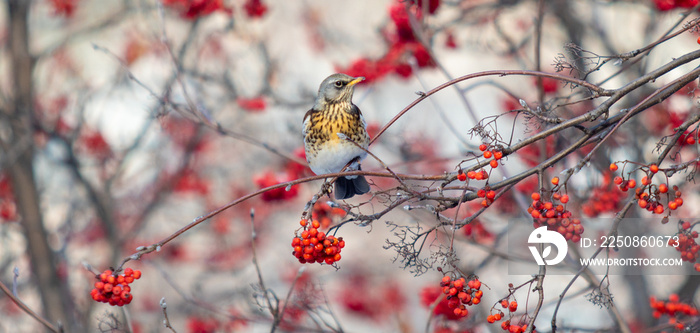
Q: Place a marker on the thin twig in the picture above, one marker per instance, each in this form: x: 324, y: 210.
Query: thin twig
x: 166, y: 320
x: 613, y: 231
x: 28, y: 310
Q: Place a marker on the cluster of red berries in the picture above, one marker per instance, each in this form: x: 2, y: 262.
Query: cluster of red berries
x: 506, y: 325
x: 476, y: 175
x: 651, y: 199
x: 685, y: 243
x: 325, y: 214
x: 666, y: 5
x: 496, y: 154
x: 114, y: 289
x: 603, y: 199
x: 403, y: 44
x: 648, y: 195
x: 625, y: 185
x: 555, y: 216
x: 673, y: 307
x: 315, y: 246
x: 488, y: 195
x: 255, y: 8
x: 461, y: 294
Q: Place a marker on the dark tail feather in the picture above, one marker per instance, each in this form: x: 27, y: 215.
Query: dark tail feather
x: 347, y: 188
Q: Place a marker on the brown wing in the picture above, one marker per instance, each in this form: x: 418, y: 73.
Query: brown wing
x: 307, y: 117
x: 308, y: 114
x: 355, y: 110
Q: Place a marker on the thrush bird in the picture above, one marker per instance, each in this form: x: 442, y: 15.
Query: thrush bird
x: 329, y: 128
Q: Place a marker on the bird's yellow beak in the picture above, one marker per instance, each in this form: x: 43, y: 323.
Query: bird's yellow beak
x: 356, y: 81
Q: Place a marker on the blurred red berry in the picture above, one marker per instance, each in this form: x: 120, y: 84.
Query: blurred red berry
x: 255, y: 8
x: 255, y: 104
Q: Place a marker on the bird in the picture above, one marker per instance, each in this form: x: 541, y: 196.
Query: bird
x: 334, y: 130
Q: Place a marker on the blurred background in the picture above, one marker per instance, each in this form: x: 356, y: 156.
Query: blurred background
x: 123, y: 121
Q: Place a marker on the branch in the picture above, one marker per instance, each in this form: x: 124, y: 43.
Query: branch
x: 29, y: 311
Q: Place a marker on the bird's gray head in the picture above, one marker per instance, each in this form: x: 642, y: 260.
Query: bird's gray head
x: 336, y: 88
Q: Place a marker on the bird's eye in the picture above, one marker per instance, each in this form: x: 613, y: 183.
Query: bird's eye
x: 338, y: 84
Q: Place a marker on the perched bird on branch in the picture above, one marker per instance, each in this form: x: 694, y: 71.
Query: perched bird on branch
x: 335, y: 134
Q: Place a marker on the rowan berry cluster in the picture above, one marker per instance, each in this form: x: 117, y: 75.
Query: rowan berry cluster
x: 488, y: 195
x: 313, y: 245
x: 476, y: 175
x: 651, y: 199
x: 114, y: 289
x: 674, y: 308
x: 496, y: 154
x: 603, y: 199
x: 555, y: 216
x: 685, y: 243
x: 650, y: 196
x: 461, y: 294
x: 506, y: 325
x: 325, y: 214
x: 624, y: 184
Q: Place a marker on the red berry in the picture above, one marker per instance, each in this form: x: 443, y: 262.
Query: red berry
x: 663, y: 188
x: 498, y: 155
x: 513, y: 306
x: 494, y: 163
x: 483, y: 147
x: 564, y: 198
x: 462, y: 177
x: 654, y: 168
x: 476, y: 284
x: 617, y: 180
x: 659, y: 209
x: 505, y: 325
x: 646, y: 181
x: 613, y: 167
x: 488, y: 154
